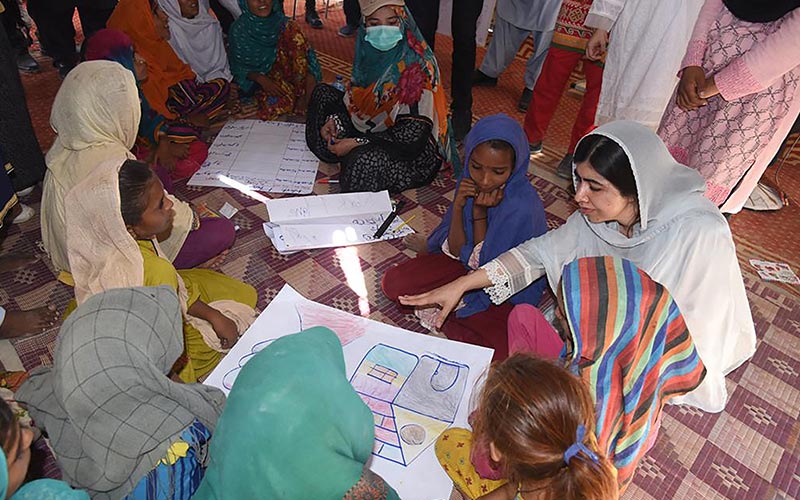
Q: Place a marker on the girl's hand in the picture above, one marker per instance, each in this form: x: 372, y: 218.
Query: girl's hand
x: 168, y: 153
x: 199, y: 120
x: 710, y: 89
x: 328, y: 131
x: 466, y: 189
x: 693, y: 80
x: 490, y: 199
x: 268, y: 86
x: 342, y: 147
x: 596, y: 48
x: 225, y: 329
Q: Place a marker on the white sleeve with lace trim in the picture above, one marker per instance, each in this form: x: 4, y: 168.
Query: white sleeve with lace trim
x: 510, y: 273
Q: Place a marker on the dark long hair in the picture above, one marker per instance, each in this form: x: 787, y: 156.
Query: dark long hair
x: 609, y: 160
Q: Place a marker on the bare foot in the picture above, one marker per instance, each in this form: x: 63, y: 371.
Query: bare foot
x: 14, y: 261
x: 23, y: 323
x: 215, y: 261
x: 417, y: 243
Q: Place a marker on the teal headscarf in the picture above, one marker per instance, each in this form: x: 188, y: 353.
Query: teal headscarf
x: 254, y: 42
x: 41, y: 489
x: 293, y: 428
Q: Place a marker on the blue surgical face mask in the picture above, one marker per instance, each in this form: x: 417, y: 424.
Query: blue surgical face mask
x: 382, y: 37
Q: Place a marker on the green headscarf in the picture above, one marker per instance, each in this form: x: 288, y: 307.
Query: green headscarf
x: 41, y: 489
x: 293, y: 428
x: 254, y: 42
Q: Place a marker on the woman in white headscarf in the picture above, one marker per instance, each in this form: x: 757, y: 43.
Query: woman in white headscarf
x: 196, y: 36
x: 96, y: 117
x: 635, y: 202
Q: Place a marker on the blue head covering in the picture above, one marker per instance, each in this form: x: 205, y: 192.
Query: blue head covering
x: 518, y: 218
x: 41, y: 489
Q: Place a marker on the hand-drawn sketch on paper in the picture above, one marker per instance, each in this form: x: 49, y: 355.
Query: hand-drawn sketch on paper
x: 413, y: 399
x: 346, y: 326
x: 230, y: 377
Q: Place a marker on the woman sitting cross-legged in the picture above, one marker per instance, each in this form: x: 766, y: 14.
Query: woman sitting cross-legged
x: 638, y: 204
x: 389, y: 129
x: 174, y: 146
x: 114, y: 217
x: 171, y: 88
x: 119, y: 427
x: 495, y: 209
x: 95, y: 116
x: 271, y: 59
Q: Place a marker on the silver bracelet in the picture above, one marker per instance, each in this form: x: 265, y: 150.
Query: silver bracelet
x: 361, y: 141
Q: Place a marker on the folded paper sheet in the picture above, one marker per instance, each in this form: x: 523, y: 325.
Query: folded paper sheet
x: 330, y: 220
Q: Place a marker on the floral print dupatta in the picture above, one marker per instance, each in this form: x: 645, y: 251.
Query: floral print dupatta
x: 402, y: 80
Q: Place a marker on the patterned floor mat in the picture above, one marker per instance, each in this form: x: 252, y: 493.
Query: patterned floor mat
x: 750, y: 451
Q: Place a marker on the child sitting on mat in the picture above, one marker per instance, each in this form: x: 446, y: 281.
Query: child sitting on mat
x: 537, y: 421
x: 15, y: 460
x: 495, y: 208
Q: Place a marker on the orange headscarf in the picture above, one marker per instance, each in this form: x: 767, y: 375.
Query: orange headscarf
x: 164, y: 68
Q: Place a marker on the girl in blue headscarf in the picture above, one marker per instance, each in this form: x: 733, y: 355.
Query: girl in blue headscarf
x: 494, y: 209
x: 271, y: 58
x: 15, y: 459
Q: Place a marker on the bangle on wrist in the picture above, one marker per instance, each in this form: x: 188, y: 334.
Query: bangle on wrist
x: 479, y: 218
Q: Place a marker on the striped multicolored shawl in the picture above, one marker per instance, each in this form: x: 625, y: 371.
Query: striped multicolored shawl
x: 631, y: 345
x: 402, y: 80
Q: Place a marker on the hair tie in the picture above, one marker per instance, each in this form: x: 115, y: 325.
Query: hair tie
x: 578, y: 447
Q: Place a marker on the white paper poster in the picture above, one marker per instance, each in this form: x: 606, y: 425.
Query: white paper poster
x: 264, y: 156
x: 416, y: 385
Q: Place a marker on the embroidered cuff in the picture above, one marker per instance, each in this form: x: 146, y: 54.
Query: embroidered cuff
x: 500, y: 290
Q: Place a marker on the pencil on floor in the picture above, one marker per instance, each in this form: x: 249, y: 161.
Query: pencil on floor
x: 405, y: 223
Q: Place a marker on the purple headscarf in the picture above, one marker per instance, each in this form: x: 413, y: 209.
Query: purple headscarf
x: 518, y: 218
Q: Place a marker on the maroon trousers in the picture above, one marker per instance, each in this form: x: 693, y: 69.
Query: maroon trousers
x: 426, y: 272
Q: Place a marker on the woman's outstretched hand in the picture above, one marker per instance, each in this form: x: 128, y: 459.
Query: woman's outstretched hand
x: 446, y: 297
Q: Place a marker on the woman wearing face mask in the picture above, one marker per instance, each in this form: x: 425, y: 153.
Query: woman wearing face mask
x: 635, y: 202
x: 271, y: 58
x: 495, y: 209
x: 389, y: 129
